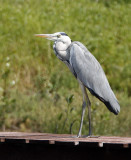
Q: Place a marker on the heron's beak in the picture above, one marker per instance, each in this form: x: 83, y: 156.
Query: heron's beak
x: 48, y: 36
x: 42, y: 35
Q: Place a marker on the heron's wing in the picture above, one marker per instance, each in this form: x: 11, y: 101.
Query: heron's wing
x: 91, y: 74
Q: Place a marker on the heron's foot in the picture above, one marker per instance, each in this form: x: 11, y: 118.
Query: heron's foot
x: 89, y: 136
x: 77, y: 136
x: 74, y: 137
x: 85, y: 136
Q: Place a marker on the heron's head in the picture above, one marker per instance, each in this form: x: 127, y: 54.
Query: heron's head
x: 57, y: 37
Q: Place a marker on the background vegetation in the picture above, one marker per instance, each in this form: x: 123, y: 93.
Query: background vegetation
x: 37, y: 91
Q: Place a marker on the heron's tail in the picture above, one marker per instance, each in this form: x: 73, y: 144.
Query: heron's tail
x: 113, y: 106
x: 110, y: 102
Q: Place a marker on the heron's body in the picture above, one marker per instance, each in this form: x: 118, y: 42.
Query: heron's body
x: 88, y: 72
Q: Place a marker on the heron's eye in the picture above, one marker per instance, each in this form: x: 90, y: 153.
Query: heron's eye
x: 58, y: 36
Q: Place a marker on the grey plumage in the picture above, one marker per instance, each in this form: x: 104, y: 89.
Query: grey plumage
x: 87, y: 71
x: 91, y: 74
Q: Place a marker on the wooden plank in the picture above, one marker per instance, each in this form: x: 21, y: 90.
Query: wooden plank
x: 64, y: 139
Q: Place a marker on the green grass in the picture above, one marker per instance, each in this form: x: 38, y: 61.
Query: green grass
x: 35, y: 87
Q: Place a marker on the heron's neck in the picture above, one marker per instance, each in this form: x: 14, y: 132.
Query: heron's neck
x: 61, y: 48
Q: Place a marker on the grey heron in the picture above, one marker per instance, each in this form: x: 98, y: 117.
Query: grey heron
x: 87, y: 71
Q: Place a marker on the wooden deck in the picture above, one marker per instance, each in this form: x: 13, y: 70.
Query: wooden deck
x: 47, y: 145
x: 64, y: 139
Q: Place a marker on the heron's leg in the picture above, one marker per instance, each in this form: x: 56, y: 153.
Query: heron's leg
x: 83, y: 107
x: 82, y: 117
x: 89, y: 112
x: 86, y: 101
